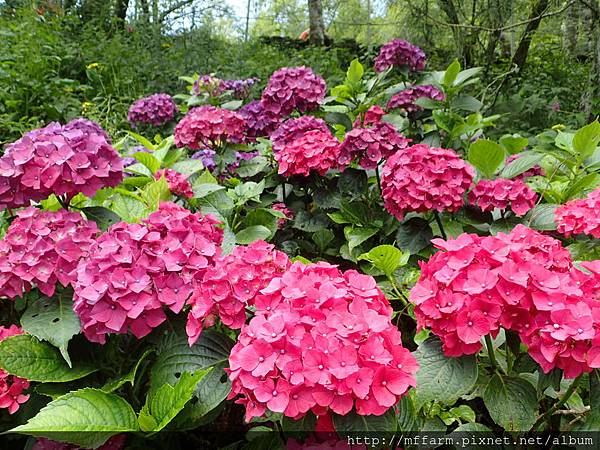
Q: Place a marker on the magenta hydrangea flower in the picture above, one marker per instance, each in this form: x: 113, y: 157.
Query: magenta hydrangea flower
x: 57, y: 160
x: 400, y: 54
x: 371, y: 145
x: 43, y: 248
x: 293, y: 89
x: 11, y: 386
x: 155, y: 110
x: 231, y: 285
x: 260, y: 123
x: 372, y: 116
x: 580, y: 216
x: 422, y: 178
x: 287, y: 212
x: 292, y: 129
x: 406, y: 98
x: 522, y: 281
x: 178, y: 182
x: 315, y: 151
x: 135, y: 270
x: 534, y: 171
x: 87, y: 126
x: 321, y: 340
x: 208, y: 126
x: 503, y: 194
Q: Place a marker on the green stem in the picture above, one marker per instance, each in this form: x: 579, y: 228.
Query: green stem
x: 561, y: 401
x: 378, y: 179
x: 490, y: 349
x: 397, y: 291
x: 438, y: 220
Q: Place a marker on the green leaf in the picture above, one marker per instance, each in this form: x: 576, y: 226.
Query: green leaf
x: 323, y: 238
x: 103, y: 217
x: 27, y: 357
x: 165, y: 403
x: 521, y: 165
x: 217, y: 203
x: 148, y: 160
x: 156, y: 192
x: 352, y: 182
x: 386, y: 258
x: 355, y: 72
x: 356, y: 236
x: 414, y: 235
x: 232, y: 105
x: 205, y: 189
x: 440, y: 378
x: 354, y: 423
x: 262, y: 216
x: 586, y: 139
x: 142, y: 140
x: 249, y: 190
x: 406, y: 415
x: 451, y: 73
x: 129, y: 377
x: 304, y: 221
x: 175, y: 356
x: 511, y: 402
x: 465, y: 75
x: 52, y: 320
x: 541, y: 217
x: 187, y: 166
x: 513, y: 143
x: 252, y: 234
x: 466, y: 103
x: 486, y: 156
x: 249, y: 168
x: 128, y: 208
x: 87, y: 418
x: 592, y: 420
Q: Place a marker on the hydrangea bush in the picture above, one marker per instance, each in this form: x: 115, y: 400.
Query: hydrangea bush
x: 299, y: 265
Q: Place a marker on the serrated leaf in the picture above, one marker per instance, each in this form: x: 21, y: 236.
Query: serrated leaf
x: 205, y: 189
x: 252, y: 234
x: 486, y: 156
x: 353, y: 423
x: 442, y: 378
x: 156, y: 192
x: 128, y: 208
x: 27, y: 357
x: 103, y: 217
x: 513, y: 143
x: 386, y: 258
x: 148, y: 160
x: 357, y: 235
x: 52, y: 320
x: 217, y: 203
x: 586, y: 139
x: 249, y: 168
x: 521, y: 165
x: 322, y: 238
x: 414, y: 235
x: 165, y: 403
x: 87, y: 418
x: 187, y: 166
x: 511, y: 402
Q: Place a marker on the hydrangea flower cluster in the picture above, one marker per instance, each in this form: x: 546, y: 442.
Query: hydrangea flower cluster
x: 241, y: 88
x: 178, y: 182
x: 400, y: 54
x: 406, y: 98
x: 321, y: 340
x: 11, y: 386
x: 534, y: 171
x: 292, y: 129
x: 524, y: 281
x: 231, y: 285
x: 87, y: 127
x: 287, y: 212
x: 57, y: 160
x: 579, y: 216
x: 43, y: 248
x: 214, y: 86
x: 134, y: 270
x: 293, y: 88
x: 260, y: 122
x: 207, y: 157
x: 209, y: 126
x: 371, y: 145
x: 316, y: 150
x: 155, y: 110
x: 503, y: 194
x: 371, y: 117
x: 422, y: 178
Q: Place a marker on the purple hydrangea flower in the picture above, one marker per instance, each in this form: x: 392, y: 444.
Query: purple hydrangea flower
x: 293, y: 88
x: 405, y: 99
x: 401, y: 54
x: 156, y: 110
x: 207, y: 157
x: 293, y: 129
x: 260, y: 123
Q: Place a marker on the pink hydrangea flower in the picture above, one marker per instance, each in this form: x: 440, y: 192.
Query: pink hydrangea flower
x: 579, y: 216
x: 503, y: 194
x: 155, y: 110
x: 57, y: 160
x: 178, y: 182
x: 371, y: 145
x: 422, y: 178
x: 87, y: 126
x: 43, y: 248
x: 400, y: 54
x: 522, y: 281
x: 315, y: 151
x: 406, y: 98
x: 292, y: 129
x: 282, y: 208
x: 231, y: 285
x: 293, y: 88
x: 11, y: 387
x: 534, y: 171
x: 260, y: 123
x: 373, y: 116
x: 321, y: 340
x: 209, y: 126
x: 135, y: 270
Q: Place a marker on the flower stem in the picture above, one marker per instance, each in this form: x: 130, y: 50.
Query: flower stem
x: 397, y: 291
x: 378, y: 179
x: 490, y: 349
x: 561, y: 401
x: 438, y: 220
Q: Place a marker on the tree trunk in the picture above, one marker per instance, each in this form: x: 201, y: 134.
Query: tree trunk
x: 570, y: 30
x: 520, y: 57
x: 459, y: 39
x: 592, y: 13
x: 145, y: 10
x: 121, y: 9
x: 315, y: 17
